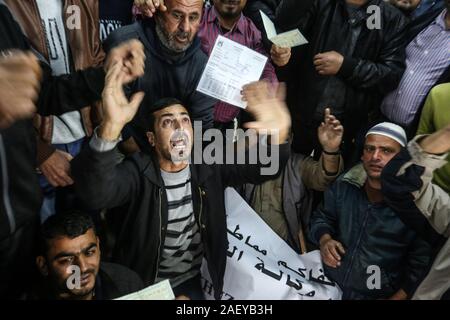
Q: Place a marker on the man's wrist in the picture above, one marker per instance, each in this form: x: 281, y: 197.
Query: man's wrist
x: 324, y: 238
x: 109, y: 131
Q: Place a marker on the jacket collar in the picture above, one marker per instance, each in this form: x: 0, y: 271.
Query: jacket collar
x: 200, y: 173
x: 356, y: 176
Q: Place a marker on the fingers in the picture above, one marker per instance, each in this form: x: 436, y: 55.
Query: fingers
x: 58, y: 177
x: 130, y: 55
x: 149, y: 7
x: 136, y: 100
x: 255, y: 93
x: 20, y: 77
x: 111, y: 80
x: 329, y: 260
x: 340, y: 247
x: 333, y: 251
x: 281, y: 91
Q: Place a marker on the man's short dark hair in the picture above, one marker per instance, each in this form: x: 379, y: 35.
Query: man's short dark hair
x: 70, y: 224
x: 158, y: 105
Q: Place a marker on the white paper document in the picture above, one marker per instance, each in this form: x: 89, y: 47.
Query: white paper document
x: 230, y: 67
x: 262, y: 266
x: 159, y: 291
x: 287, y: 39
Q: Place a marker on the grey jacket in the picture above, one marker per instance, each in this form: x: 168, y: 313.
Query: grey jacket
x: 425, y: 206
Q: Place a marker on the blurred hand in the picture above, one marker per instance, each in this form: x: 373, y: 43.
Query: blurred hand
x: 117, y: 110
x: 269, y: 109
x: 20, y: 79
x: 280, y: 56
x: 330, y: 251
x: 57, y: 169
x: 328, y: 63
x: 131, y: 57
x: 330, y: 132
x: 149, y: 7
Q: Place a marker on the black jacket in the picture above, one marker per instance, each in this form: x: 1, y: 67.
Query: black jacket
x: 165, y: 76
x: 370, y: 70
x: 101, y: 180
x: 20, y: 197
x: 113, y: 281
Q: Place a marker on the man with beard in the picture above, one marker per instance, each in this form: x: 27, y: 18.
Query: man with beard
x: 358, y: 233
x: 69, y: 263
x: 225, y: 18
x: 174, y: 63
x: 416, y: 8
x: 173, y: 213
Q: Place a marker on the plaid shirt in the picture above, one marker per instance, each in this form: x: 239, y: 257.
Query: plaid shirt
x: 245, y: 33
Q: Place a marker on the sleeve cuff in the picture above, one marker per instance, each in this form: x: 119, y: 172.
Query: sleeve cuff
x: 348, y: 65
x: 101, y: 145
x: 421, y: 158
x: 320, y: 232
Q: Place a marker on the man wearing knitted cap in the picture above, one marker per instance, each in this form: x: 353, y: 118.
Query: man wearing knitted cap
x: 364, y: 246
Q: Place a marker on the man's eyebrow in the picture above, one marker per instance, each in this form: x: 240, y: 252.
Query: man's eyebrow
x: 64, y: 254
x: 167, y: 115
x: 89, y: 247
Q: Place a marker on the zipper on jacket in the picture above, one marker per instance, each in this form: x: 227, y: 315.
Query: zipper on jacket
x: 160, y: 235
x: 366, y: 218
x: 5, y: 189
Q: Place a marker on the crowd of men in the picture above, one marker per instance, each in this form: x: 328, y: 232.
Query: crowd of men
x: 98, y: 101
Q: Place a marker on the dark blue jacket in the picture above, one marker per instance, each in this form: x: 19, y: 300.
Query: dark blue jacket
x: 372, y: 234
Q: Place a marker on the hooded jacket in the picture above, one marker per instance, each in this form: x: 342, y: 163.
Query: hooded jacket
x: 166, y: 75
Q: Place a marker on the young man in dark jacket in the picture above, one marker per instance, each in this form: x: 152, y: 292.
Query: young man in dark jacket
x: 175, y: 212
x: 354, y: 57
x: 20, y: 196
x: 69, y: 262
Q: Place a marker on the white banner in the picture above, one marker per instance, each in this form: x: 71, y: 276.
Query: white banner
x: 261, y: 266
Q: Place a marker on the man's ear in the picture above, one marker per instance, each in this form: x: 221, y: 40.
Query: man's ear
x: 151, y: 138
x: 42, y: 266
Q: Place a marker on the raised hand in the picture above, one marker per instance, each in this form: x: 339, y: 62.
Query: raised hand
x: 269, y: 109
x: 149, y: 7
x: 130, y: 55
x: 117, y: 110
x: 330, y: 132
x: 20, y: 78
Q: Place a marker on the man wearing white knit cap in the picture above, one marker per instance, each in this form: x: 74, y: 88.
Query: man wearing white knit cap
x: 365, y: 247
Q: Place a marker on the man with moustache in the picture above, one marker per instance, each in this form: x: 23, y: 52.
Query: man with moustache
x: 174, y: 63
x: 416, y: 8
x: 225, y: 18
x: 364, y: 245
x: 69, y: 249
x: 173, y: 212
